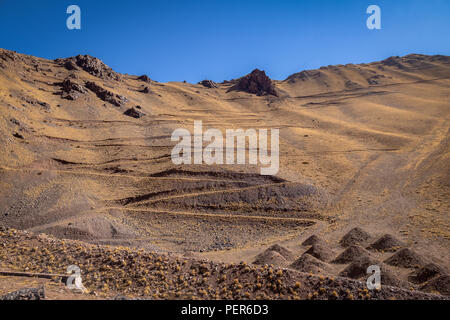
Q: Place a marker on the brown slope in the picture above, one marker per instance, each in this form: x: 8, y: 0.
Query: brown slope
x: 368, y: 142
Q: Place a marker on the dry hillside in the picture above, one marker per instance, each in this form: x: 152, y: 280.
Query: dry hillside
x: 86, y: 156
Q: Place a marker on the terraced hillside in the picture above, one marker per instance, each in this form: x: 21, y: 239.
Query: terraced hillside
x: 86, y: 156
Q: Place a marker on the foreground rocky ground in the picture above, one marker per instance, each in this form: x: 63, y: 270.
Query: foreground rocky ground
x: 109, y: 271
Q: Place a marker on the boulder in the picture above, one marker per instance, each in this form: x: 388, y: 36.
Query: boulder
x: 132, y: 112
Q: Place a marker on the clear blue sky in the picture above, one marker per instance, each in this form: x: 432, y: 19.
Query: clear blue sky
x: 193, y: 40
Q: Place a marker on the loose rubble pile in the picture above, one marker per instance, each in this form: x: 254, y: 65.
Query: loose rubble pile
x: 138, y: 273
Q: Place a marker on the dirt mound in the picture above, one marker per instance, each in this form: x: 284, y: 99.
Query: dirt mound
x: 320, y: 251
x: 386, y: 243
x: 208, y: 84
x: 270, y: 257
x: 425, y: 273
x: 406, y: 258
x: 312, y: 240
x: 354, y: 236
x: 91, y: 65
x: 440, y: 284
x: 106, y: 95
x: 388, y: 279
x: 257, y: 82
x: 358, y: 268
x: 132, y: 112
x: 128, y: 271
x: 308, y: 263
x: 351, y: 254
x: 286, y: 253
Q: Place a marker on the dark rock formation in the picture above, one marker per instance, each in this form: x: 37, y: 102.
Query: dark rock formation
x: 25, y: 294
x: 7, y: 55
x: 71, y: 90
x: 208, y: 84
x: 132, y: 112
x: 70, y: 65
x: 146, y: 90
x: 91, y: 65
x: 18, y: 135
x: 106, y: 95
x: 34, y: 101
x: 145, y: 78
x: 257, y: 82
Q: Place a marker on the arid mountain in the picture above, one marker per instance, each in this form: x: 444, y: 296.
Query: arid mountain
x: 86, y: 155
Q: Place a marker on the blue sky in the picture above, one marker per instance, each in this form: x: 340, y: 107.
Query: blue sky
x: 193, y: 40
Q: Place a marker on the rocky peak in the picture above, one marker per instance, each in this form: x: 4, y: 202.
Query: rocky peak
x: 145, y: 78
x: 256, y: 82
x: 91, y: 65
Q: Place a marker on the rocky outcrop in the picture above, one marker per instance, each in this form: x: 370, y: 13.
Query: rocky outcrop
x: 257, y: 82
x: 7, y: 55
x: 132, y: 112
x: 146, y: 90
x: 106, y: 95
x: 71, y: 90
x: 70, y: 65
x: 25, y: 294
x: 91, y: 65
x: 145, y: 78
x: 208, y: 84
